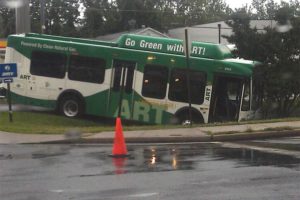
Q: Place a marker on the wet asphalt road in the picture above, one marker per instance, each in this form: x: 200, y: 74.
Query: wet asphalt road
x: 169, y: 172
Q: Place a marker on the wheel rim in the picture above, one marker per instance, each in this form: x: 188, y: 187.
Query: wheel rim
x: 70, y: 108
x: 186, y: 122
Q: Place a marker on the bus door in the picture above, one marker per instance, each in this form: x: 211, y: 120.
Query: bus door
x: 245, y: 107
x: 121, y: 91
x: 226, y: 99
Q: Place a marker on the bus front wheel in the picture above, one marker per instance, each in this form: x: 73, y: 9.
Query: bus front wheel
x: 71, y: 106
x: 183, y: 117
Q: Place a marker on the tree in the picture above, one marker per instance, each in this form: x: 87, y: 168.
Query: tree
x: 71, y: 17
x: 137, y: 13
x: 168, y: 17
x: 245, y: 38
x: 99, y: 17
x: 108, y: 16
x: 35, y: 16
x: 7, y: 21
x: 130, y: 13
x: 201, y: 11
x: 283, y: 67
x: 152, y: 17
x: 61, y: 17
x: 278, y: 49
x: 105, y: 16
x: 265, y: 9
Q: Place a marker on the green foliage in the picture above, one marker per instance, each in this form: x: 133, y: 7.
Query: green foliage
x: 45, y: 123
x: 265, y: 9
x: 278, y: 78
x: 245, y: 38
x: 24, y: 122
x: 98, y: 17
x: 7, y: 21
x: 61, y: 17
x: 101, y: 17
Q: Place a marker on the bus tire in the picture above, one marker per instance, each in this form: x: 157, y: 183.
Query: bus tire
x: 71, y: 106
x: 184, y: 119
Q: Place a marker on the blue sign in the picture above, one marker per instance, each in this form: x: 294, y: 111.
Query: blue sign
x: 8, y: 70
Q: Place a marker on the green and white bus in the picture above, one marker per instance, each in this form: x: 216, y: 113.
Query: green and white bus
x: 146, y: 75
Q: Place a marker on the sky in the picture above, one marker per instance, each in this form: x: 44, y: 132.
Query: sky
x: 239, y: 3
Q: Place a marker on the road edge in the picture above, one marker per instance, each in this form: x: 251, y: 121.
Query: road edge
x: 184, y: 139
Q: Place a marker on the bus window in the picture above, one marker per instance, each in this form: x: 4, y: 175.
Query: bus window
x: 48, y: 64
x: 178, y: 86
x: 155, y: 81
x: 86, y: 69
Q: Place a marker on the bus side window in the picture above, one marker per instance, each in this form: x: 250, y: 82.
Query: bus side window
x: 48, y: 64
x: 178, y: 86
x: 155, y: 81
x: 86, y: 69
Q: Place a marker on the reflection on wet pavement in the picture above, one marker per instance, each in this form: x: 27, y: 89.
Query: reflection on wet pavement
x: 257, y: 158
x: 189, y: 157
x: 155, y: 158
x: 151, y: 172
x: 289, y: 143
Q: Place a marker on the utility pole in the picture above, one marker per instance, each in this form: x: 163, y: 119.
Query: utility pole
x: 219, y: 27
x: 22, y: 17
x: 42, y: 16
x: 187, y: 58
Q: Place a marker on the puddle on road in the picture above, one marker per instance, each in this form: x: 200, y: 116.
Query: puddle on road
x: 257, y: 158
x: 152, y: 158
x: 191, y: 157
x: 277, y: 145
x: 187, y: 157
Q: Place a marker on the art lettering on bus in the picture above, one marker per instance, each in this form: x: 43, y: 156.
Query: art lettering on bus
x: 25, y: 77
x: 141, y: 111
x: 207, y: 93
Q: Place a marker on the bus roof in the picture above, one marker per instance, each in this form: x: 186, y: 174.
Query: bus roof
x: 207, y: 52
x: 153, y: 44
x: 70, y: 39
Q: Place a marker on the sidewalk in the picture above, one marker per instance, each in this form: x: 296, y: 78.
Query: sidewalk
x: 197, y: 134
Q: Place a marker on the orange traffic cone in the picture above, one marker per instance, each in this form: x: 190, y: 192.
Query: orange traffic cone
x: 119, y: 148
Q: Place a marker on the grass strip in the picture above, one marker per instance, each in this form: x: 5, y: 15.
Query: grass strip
x: 42, y: 123
x: 48, y: 123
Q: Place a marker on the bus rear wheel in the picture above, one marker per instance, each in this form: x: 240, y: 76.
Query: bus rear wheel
x: 71, y: 106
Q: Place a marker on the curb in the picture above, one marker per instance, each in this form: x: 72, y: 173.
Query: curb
x: 256, y: 135
x: 182, y: 139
